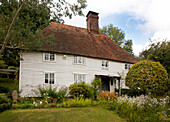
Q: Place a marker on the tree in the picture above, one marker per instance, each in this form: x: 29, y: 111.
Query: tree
x: 118, y: 36
x: 159, y: 52
x: 30, y: 16
x: 128, y: 46
x: 148, y: 76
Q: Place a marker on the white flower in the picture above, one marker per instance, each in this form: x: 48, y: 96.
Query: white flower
x: 40, y: 102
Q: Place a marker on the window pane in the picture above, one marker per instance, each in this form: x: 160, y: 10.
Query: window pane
x: 84, y: 60
x: 75, y: 59
x: 46, y: 56
x: 83, y: 78
x: 75, y: 78
x: 106, y: 63
x: 125, y: 66
x: 52, y: 57
x: 103, y: 63
x: 80, y: 60
x: 51, y: 78
x: 79, y: 79
x: 46, y: 77
x: 129, y: 66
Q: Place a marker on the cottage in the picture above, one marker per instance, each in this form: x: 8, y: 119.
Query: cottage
x: 75, y: 55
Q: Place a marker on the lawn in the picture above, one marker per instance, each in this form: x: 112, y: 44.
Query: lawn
x: 87, y: 114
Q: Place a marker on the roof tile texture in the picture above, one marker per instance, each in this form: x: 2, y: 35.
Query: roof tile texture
x: 79, y: 41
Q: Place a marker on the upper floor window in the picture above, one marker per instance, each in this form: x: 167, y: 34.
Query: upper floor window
x: 79, y: 78
x: 104, y: 63
x: 49, y: 78
x: 127, y: 66
x: 49, y: 56
x: 79, y: 60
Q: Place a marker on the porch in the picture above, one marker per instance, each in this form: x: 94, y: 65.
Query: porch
x: 109, y: 83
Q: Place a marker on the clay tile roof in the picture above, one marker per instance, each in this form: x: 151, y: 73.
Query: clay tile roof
x: 79, y: 41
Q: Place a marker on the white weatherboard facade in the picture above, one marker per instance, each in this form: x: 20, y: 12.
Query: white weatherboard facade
x: 33, y: 68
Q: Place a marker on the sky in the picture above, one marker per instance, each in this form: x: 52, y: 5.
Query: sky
x: 141, y: 20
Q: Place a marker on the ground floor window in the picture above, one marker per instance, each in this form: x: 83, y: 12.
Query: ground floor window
x: 79, y: 78
x: 49, y: 78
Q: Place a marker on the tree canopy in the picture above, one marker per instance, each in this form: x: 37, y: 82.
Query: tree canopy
x: 25, y: 32
x: 23, y: 28
x: 159, y: 52
x: 118, y: 36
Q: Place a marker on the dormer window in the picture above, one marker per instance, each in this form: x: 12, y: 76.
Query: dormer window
x: 79, y: 60
x: 104, y: 63
x: 49, y: 57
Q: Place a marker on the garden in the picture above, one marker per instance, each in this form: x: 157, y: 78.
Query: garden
x: 147, y: 99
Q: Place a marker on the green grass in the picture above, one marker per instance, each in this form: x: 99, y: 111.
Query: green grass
x: 92, y: 114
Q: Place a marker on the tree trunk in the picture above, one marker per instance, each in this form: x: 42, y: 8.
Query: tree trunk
x: 9, y: 30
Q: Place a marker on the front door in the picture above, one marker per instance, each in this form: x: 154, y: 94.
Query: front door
x: 105, y: 84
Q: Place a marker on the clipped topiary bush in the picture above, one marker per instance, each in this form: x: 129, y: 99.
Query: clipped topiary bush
x: 148, y: 76
x: 78, y: 89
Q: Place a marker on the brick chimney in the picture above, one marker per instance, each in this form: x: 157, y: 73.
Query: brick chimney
x: 92, y: 21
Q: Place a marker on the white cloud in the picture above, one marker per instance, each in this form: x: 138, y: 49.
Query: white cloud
x: 137, y: 48
x: 155, y: 14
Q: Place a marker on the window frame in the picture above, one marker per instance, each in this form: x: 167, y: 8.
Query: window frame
x: 49, y: 56
x: 127, y: 66
x: 50, y: 78
x: 79, y: 60
x: 79, y: 77
x: 105, y: 66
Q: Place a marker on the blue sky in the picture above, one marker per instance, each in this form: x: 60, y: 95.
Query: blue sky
x: 141, y: 20
x: 129, y: 25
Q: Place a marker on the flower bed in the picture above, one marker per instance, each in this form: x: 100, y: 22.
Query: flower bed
x: 142, y: 108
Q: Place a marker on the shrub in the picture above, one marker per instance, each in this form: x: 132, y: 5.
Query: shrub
x: 131, y: 92
x: 26, y: 106
x: 4, y: 89
x: 79, y: 102
x: 96, y: 83
x: 52, y: 93
x: 78, y: 89
x: 5, y: 103
x: 148, y: 76
x: 106, y: 95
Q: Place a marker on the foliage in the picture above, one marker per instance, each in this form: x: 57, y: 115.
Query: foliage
x: 79, y: 102
x: 118, y: 36
x: 78, y: 89
x: 159, y: 51
x: 5, y: 103
x: 142, y: 108
x: 53, y: 93
x: 131, y: 92
x: 96, y: 83
x: 148, y: 76
x: 4, y: 89
x: 32, y: 17
x: 8, y: 85
x: 128, y: 46
x: 107, y: 95
x: 2, y: 63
